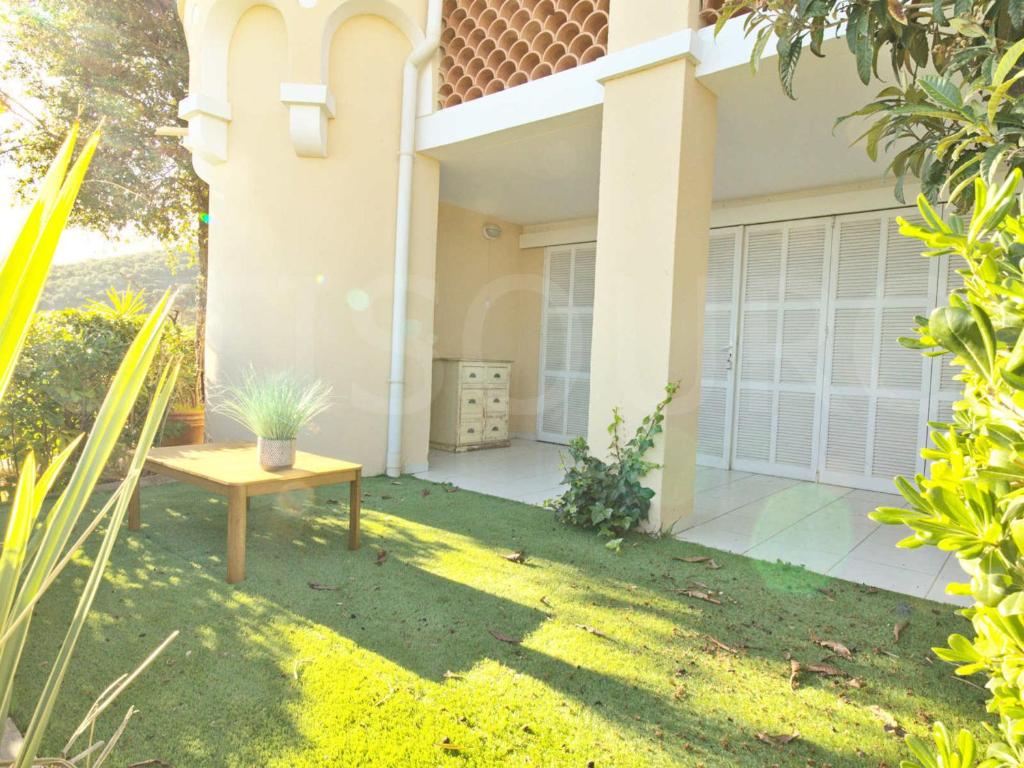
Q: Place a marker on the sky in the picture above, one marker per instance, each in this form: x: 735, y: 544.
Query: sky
x: 76, y: 244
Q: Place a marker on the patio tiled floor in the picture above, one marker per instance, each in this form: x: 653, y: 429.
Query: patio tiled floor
x: 824, y: 528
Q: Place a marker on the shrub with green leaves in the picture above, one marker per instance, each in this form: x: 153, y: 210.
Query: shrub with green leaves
x: 971, y: 503
x: 608, y: 494
x: 69, y: 359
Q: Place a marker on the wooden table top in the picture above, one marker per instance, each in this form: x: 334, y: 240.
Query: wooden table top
x: 237, y: 464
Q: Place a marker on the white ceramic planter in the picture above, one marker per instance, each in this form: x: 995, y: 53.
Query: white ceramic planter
x: 275, y: 454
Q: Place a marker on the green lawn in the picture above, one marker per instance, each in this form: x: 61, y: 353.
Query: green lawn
x: 399, y: 667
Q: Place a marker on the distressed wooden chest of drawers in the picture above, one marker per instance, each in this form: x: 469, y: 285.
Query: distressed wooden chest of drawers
x: 471, y: 401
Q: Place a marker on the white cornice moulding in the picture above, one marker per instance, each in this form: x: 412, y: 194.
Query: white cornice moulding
x: 570, y: 91
x: 558, y: 233
x: 208, y: 119
x: 310, y: 105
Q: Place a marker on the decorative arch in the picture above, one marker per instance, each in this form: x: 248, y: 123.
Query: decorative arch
x: 213, y: 41
x: 391, y: 12
x: 310, y: 105
x: 207, y: 108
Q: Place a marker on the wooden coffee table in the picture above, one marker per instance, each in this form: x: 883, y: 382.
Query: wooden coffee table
x: 232, y: 469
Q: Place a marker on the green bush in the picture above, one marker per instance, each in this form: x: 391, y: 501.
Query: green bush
x: 971, y: 502
x: 609, y: 495
x: 69, y: 360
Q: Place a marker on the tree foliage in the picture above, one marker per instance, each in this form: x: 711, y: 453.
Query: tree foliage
x: 971, y: 503
x: 951, y: 113
x: 124, y: 62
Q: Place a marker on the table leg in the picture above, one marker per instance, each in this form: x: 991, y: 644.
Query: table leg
x: 355, y: 503
x: 237, y: 503
x: 134, y: 510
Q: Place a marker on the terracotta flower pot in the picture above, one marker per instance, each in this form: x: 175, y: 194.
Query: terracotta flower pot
x: 184, y: 427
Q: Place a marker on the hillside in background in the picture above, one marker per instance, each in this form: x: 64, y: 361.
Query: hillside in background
x: 72, y: 285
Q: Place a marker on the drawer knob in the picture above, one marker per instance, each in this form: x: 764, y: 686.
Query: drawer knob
x: 494, y: 429
x: 497, y: 375
x: 497, y: 400
x: 472, y: 375
x: 472, y: 401
x: 471, y: 430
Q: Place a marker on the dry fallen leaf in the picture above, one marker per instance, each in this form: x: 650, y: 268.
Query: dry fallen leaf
x: 425, y: 492
x: 382, y: 556
x: 699, y: 595
x: 544, y: 600
x: 777, y: 741
x: 836, y: 647
x: 898, y: 628
x: 713, y: 565
x: 718, y: 644
x: 449, y: 675
x: 889, y: 722
x: 322, y: 587
x: 692, y: 559
x: 825, y: 669
x: 518, y: 556
x: 828, y: 593
x: 452, y: 489
x: 591, y: 630
x: 794, y: 673
x: 504, y: 638
x: 446, y: 743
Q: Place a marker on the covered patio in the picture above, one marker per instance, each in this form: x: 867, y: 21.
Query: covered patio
x: 824, y: 528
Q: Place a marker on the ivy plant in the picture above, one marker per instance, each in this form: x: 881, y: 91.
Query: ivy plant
x: 608, y: 494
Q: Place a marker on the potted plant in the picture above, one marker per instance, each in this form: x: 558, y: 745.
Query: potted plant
x: 186, y: 418
x: 274, y: 407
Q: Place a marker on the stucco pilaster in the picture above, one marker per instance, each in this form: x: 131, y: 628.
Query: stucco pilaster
x: 657, y: 160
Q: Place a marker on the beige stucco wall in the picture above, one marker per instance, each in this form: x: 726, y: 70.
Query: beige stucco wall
x: 488, y: 302
x: 301, y: 249
x: 632, y: 22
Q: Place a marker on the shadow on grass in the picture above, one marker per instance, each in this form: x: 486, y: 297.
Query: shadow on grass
x: 256, y: 673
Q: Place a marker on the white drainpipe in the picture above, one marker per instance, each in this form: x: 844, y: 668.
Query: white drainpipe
x: 420, y: 55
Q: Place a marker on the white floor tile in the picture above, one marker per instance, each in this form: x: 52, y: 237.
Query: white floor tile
x: 880, y: 547
x: 951, y: 572
x: 796, y: 552
x: 708, y: 478
x: 840, y: 516
x: 727, y: 498
x: 727, y: 541
x: 889, y: 577
x: 841, y: 540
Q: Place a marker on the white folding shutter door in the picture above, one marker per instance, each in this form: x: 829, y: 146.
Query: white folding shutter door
x: 780, y: 346
x: 876, y: 395
x: 715, y: 415
x: 565, y: 343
